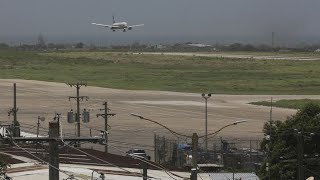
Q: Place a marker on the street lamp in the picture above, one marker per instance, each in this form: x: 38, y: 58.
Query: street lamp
x: 216, y: 132
x: 173, y: 132
x: 206, y: 97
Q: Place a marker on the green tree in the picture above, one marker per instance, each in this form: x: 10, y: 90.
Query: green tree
x: 281, y: 144
x: 79, y: 45
x: 3, y: 166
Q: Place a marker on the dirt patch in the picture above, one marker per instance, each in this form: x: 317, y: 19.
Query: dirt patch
x: 182, y: 112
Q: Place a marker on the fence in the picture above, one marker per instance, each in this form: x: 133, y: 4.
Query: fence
x: 232, y: 155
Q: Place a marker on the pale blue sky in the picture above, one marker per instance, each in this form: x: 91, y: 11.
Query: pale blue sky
x: 194, y: 20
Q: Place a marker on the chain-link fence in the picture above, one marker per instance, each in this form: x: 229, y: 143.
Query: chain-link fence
x: 229, y: 155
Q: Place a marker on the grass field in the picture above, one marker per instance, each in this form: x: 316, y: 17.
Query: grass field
x: 293, y: 103
x: 161, y: 72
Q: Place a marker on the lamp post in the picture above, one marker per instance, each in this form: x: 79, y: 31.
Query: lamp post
x: 38, y: 126
x: 206, y: 97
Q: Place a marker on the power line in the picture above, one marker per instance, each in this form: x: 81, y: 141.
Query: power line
x: 99, y: 159
x: 152, y: 164
x: 42, y: 161
x: 173, y: 132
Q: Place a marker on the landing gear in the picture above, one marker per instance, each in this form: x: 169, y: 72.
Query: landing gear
x: 124, y: 30
x: 113, y: 30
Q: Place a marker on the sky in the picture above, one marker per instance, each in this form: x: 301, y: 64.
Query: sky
x: 202, y: 21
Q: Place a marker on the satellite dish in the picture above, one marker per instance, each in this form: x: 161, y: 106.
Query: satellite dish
x: 41, y: 118
x: 310, y: 178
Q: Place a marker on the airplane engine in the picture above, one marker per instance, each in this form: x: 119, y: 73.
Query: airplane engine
x: 129, y: 28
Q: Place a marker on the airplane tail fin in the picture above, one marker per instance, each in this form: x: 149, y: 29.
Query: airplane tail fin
x: 113, y: 19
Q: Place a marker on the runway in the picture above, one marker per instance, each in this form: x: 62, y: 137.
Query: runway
x: 237, y: 56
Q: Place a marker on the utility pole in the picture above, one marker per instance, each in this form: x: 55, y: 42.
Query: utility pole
x: 194, y: 156
x: 270, y: 141
x: 54, y: 151
x: 15, y: 110
x: 54, y: 140
x: 15, y: 130
x: 300, y: 156
x: 206, y: 97
x: 77, y: 86
x: 105, y: 116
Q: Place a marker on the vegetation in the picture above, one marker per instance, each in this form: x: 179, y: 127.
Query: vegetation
x: 161, y: 72
x: 282, y: 147
x: 3, y: 165
x: 288, y: 103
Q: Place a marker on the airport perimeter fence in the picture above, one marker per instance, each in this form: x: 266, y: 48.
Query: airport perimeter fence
x: 227, y: 155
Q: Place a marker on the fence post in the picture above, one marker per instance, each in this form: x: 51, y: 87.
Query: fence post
x: 155, y: 147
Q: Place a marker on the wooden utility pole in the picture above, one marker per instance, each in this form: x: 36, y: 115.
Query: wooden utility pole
x: 78, y: 97
x: 15, y: 129
x: 54, y: 151
x: 105, y: 116
x: 54, y: 140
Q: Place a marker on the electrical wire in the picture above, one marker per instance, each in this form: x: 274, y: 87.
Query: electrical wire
x: 151, y: 163
x: 118, y: 166
x: 199, y: 176
x: 100, y: 159
x: 42, y: 161
x: 172, y: 132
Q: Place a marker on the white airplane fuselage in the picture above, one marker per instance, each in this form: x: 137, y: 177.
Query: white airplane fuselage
x: 120, y: 25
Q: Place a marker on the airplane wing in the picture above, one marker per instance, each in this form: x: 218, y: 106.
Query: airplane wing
x: 104, y: 25
x: 135, y: 25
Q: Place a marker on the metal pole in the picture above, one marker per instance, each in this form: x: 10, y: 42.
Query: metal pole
x: 233, y: 169
x: 194, y: 156
x: 145, y: 171
x: 78, y: 112
x: 15, y: 122
x: 38, y: 124
x: 206, y: 99
x: 106, y: 125
x: 300, y: 156
x: 155, y: 147
x: 16, y: 128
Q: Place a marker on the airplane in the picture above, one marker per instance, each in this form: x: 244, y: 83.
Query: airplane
x: 118, y: 25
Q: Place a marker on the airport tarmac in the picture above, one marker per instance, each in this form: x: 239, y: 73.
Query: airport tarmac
x: 237, y: 56
x: 181, y: 112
